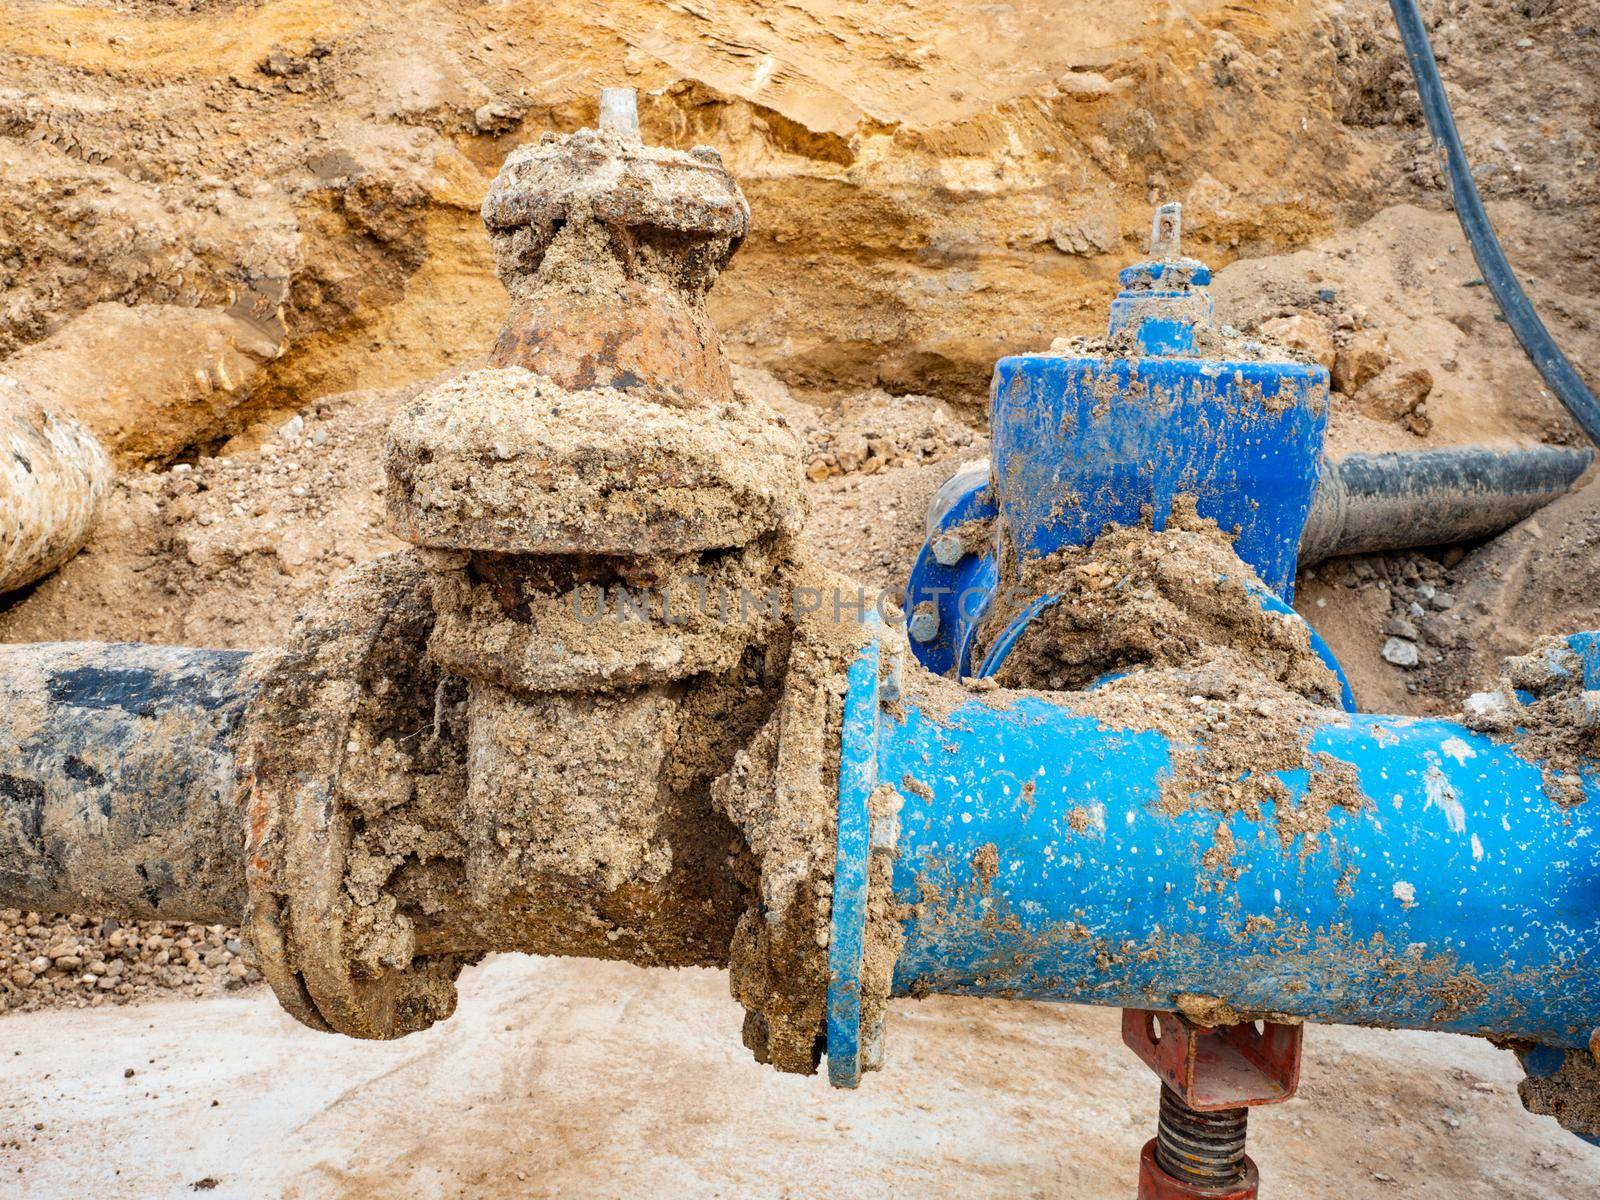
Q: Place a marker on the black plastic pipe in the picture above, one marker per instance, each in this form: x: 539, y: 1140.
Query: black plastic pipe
x: 1370, y: 502
x: 118, y: 780
x: 1547, y: 358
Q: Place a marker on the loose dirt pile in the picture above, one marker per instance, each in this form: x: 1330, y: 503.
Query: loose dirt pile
x: 1539, y: 579
x: 1135, y: 598
x: 870, y: 431
x: 224, y: 551
x: 1397, y: 311
x: 1417, y: 631
x: 1160, y: 631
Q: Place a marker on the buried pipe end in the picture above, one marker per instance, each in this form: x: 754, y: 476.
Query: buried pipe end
x: 54, y: 480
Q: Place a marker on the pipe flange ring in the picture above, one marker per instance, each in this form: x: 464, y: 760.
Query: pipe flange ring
x: 331, y: 743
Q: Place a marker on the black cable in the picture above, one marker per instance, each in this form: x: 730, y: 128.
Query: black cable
x: 1536, y: 341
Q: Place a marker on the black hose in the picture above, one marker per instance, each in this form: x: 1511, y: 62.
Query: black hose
x: 1397, y: 501
x: 1541, y: 348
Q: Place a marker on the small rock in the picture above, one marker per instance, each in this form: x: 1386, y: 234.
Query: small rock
x: 948, y: 550
x: 1487, y: 712
x: 1401, y: 628
x: 1364, y: 359
x: 1400, y: 652
x: 1442, y: 632
x: 1442, y: 601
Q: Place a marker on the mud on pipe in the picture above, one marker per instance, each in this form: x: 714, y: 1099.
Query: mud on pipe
x: 118, y: 787
x: 1411, y: 874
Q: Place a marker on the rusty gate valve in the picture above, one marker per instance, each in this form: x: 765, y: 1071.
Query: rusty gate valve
x: 1210, y: 1078
x: 471, y: 749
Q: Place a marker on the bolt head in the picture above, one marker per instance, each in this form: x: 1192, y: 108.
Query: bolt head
x: 923, y: 624
x: 948, y: 550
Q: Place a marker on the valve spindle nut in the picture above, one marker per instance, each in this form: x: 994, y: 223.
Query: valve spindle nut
x: 948, y: 550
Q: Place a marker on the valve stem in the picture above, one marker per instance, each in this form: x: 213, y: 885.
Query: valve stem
x: 619, y: 112
x: 1166, y: 233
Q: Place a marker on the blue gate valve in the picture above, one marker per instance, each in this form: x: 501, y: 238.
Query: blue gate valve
x: 1036, y: 852
x: 1176, y: 407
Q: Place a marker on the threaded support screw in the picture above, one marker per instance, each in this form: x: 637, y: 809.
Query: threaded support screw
x: 1204, y: 1149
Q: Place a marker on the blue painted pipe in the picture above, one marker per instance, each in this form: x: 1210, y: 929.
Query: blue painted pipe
x: 1034, y: 860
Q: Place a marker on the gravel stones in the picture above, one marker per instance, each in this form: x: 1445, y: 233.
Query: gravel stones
x: 73, y: 961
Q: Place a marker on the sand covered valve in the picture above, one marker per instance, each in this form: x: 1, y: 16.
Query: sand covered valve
x: 548, y: 718
x: 639, y: 233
